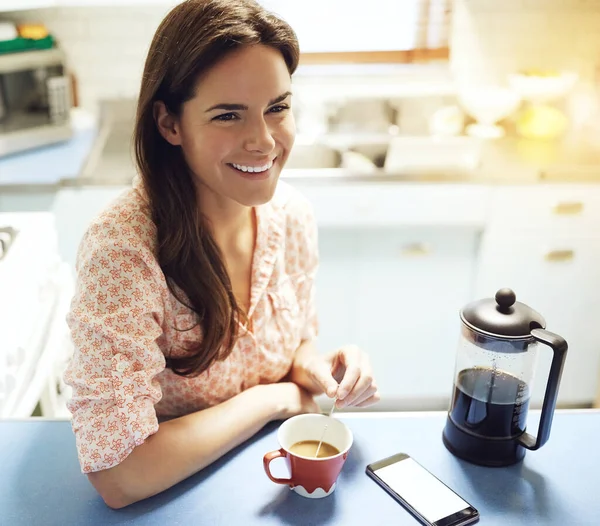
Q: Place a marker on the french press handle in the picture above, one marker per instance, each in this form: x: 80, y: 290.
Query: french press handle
x: 559, y: 347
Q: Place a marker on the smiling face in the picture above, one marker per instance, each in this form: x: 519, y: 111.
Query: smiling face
x: 237, y: 131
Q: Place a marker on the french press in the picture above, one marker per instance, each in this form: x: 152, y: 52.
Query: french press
x: 493, y: 380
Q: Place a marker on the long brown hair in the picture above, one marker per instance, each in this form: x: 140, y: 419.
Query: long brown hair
x: 194, y: 36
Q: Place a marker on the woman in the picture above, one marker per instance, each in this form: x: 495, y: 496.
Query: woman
x: 195, y: 297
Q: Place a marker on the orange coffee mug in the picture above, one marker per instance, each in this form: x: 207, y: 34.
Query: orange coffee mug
x: 309, y: 476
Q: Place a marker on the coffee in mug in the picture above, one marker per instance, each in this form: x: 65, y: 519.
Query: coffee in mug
x: 308, y: 448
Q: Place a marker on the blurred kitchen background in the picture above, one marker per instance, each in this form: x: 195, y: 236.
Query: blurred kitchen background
x: 450, y: 148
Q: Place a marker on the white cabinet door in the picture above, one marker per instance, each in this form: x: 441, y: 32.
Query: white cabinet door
x: 381, y: 205
x: 21, y: 5
x: 412, y: 284
x: 558, y: 276
x: 563, y: 209
x: 336, y: 288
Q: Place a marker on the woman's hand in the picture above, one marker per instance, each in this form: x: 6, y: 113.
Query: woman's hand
x: 345, y: 373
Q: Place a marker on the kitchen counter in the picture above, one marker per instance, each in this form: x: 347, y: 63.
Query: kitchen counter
x: 47, y: 168
x: 102, y: 157
x: 510, y: 160
x: 41, y: 483
x: 514, y: 160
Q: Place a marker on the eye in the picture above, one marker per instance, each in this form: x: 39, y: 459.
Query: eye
x: 279, y: 108
x: 225, y: 117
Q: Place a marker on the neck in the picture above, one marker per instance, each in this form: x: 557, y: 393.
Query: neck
x: 230, y: 221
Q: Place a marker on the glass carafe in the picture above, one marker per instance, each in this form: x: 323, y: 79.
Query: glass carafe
x: 493, y: 381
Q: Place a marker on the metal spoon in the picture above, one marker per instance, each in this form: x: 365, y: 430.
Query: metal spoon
x: 326, y: 425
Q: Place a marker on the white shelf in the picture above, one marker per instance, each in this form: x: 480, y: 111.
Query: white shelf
x: 31, y: 59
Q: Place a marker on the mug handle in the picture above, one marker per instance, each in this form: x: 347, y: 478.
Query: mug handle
x: 270, y: 456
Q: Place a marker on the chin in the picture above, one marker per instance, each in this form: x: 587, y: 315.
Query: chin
x: 258, y: 194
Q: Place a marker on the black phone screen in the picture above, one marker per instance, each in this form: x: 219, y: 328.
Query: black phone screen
x: 422, y: 491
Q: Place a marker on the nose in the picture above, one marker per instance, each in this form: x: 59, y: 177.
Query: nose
x: 259, y: 138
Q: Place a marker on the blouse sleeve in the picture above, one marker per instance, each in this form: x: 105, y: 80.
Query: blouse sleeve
x: 115, y: 320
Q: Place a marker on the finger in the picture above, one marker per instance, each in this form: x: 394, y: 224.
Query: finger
x: 349, y: 354
x: 321, y: 375
x: 364, y: 380
x: 365, y: 395
x: 369, y: 401
x: 349, y: 380
x: 363, y: 384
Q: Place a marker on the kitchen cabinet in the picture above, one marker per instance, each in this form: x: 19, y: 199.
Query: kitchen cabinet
x: 543, y: 243
x: 396, y: 293
x: 22, y: 5
x: 366, y: 204
x: 557, y: 276
x: 560, y: 208
x: 411, y: 284
x: 336, y: 288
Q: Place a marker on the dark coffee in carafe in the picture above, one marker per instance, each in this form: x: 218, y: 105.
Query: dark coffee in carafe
x: 487, y: 417
x: 490, y: 403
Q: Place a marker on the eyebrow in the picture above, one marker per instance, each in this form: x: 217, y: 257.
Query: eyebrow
x: 232, y: 107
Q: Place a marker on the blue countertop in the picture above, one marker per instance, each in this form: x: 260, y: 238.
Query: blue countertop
x: 41, y: 482
x: 49, y: 165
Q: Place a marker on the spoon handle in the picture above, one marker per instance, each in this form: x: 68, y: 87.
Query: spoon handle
x: 325, y: 430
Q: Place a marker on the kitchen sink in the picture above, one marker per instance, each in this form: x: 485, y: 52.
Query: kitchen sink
x: 313, y: 156
x: 359, y: 157
x: 374, y: 153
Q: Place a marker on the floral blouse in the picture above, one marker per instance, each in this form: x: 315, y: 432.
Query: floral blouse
x: 124, y: 320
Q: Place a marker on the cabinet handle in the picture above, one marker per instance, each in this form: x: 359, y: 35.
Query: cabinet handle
x: 416, y: 250
x: 568, y: 208
x: 560, y: 255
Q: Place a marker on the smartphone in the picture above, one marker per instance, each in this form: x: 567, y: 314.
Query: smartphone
x: 420, y: 492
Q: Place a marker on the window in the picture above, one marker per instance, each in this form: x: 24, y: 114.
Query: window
x: 367, y: 30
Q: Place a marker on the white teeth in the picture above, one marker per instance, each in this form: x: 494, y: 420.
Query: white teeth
x: 253, y: 169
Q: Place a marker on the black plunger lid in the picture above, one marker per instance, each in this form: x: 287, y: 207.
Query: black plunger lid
x: 502, y: 317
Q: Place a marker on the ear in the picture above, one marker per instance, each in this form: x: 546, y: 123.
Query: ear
x: 167, y: 124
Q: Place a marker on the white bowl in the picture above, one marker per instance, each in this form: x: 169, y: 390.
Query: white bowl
x: 542, y: 89
x: 489, y: 104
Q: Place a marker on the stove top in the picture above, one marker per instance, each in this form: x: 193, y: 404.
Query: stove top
x: 29, y: 291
